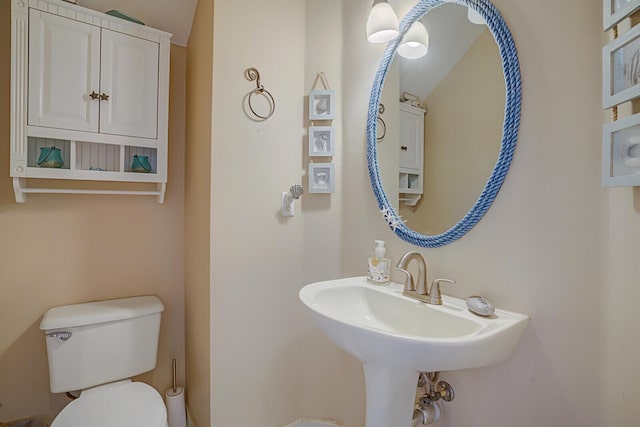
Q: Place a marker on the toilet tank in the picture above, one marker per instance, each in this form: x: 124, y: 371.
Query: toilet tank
x: 100, y: 342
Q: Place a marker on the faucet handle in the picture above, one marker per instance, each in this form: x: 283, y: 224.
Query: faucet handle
x: 409, y: 282
x: 435, y: 297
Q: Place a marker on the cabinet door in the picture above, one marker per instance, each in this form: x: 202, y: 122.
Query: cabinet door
x: 64, y: 62
x: 411, y: 140
x: 129, y: 77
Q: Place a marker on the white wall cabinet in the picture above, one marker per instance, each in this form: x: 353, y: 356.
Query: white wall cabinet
x: 411, y: 146
x: 94, y: 86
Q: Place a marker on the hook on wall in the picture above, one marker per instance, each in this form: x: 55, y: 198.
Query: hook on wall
x: 382, y: 126
x: 288, y: 197
x: 252, y: 74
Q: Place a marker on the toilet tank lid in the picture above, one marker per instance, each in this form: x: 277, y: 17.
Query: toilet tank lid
x: 91, y: 313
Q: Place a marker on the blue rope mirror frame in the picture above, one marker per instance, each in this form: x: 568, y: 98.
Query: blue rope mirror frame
x: 511, y: 70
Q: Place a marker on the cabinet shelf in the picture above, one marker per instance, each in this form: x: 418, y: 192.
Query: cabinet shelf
x: 92, y: 162
x: 410, y: 199
x: 55, y: 173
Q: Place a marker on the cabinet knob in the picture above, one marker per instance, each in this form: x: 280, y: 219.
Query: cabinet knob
x: 104, y: 97
x: 93, y: 95
x: 404, y: 148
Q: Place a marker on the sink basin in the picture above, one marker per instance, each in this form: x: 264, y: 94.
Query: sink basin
x: 397, y: 337
x: 378, y: 324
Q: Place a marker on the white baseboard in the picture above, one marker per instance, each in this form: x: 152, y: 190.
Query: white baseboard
x: 314, y: 423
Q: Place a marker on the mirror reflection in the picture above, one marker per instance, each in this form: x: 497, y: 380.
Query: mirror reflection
x: 444, y: 114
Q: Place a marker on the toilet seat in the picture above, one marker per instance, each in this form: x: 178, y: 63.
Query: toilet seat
x: 122, y: 404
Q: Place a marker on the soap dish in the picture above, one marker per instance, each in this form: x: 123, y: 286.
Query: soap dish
x: 121, y: 15
x: 480, y: 306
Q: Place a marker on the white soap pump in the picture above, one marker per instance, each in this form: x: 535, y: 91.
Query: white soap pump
x: 379, y: 265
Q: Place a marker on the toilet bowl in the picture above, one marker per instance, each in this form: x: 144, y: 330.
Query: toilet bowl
x: 122, y: 404
x: 96, y: 348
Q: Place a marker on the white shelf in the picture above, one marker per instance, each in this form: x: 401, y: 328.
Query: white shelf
x: 89, y: 161
x: 410, y: 199
x: 21, y: 190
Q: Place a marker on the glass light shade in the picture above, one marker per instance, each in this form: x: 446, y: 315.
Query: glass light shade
x: 382, y: 24
x: 415, y: 43
x: 474, y: 17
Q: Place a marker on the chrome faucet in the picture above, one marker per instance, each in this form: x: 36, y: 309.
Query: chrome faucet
x: 418, y: 289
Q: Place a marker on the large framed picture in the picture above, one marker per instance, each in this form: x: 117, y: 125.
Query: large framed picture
x: 614, y: 11
x: 322, y: 105
x: 321, y: 178
x: 621, y: 153
x: 621, y: 69
x: 321, y: 141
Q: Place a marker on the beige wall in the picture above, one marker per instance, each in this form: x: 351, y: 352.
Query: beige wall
x: 462, y: 134
x: 269, y: 363
x: 197, y: 189
x: 542, y: 247
x: 62, y: 249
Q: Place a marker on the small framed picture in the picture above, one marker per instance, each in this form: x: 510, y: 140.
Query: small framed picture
x: 621, y: 153
x: 621, y: 69
x: 321, y: 141
x: 321, y: 178
x: 322, y: 105
x: 614, y: 11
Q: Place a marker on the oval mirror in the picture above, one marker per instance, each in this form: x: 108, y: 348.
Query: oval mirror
x: 451, y: 122
x: 454, y: 96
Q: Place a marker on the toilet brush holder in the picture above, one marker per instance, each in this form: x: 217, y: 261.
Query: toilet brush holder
x: 174, y: 397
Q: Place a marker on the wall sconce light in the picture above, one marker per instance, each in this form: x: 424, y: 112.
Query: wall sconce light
x: 415, y: 43
x: 382, y: 24
x: 474, y: 17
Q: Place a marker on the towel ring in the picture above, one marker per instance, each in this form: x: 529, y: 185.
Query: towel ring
x: 252, y: 74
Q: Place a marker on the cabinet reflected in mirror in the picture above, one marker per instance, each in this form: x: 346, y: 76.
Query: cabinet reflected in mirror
x: 461, y: 86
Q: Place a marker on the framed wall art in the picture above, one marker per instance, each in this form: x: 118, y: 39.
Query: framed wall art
x: 621, y: 69
x: 614, y: 11
x: 322, y: 105
x: 621, y: 152
x: 321, y: 141
x: 321, y: 178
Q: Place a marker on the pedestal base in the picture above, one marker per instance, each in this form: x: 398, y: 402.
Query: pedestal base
x: 391, y: 393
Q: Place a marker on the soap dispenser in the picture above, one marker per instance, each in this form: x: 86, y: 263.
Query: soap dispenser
x: 379, y: 265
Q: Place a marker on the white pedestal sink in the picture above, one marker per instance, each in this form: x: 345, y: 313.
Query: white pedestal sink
x: 396, y: 337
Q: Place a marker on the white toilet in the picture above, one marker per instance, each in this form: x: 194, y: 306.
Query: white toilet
x: 95, y: 348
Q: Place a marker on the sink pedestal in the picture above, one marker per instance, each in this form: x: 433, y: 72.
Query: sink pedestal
x: 391, y: 393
